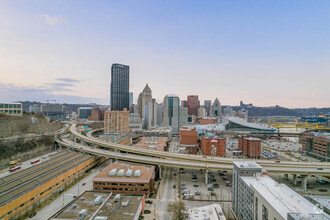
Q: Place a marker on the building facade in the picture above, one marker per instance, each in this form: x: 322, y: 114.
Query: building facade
x: 171, y: 112
x: 116, y: 122
x: 213, y: 145
x: 250, y: 146
x: 184, y: 103
x: 207, y: 106
x: 125, y: 178
x: 317, y: 145
x: 188, y: 137
x: 84, y: 112
x: 192, y: 103
x: 96, y: 115
x: 14, y: 109
x: 201, y: 112
x: 256, y: 196
x: 119, y: 88
x: 135, y: 122
x: 130, y: 98
x: 216, y: 108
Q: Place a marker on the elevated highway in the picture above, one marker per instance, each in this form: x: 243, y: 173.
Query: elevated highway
x: 189, y: 161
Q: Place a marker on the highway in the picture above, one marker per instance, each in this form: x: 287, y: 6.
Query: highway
x: 192, y: 158
x: 192, y: 164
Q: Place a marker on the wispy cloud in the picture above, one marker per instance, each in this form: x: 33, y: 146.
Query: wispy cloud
x: 68, y: 80
x: 55, y: 20
x: 12, y: 92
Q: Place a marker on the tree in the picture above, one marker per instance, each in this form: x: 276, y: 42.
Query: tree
x: 178, y: 210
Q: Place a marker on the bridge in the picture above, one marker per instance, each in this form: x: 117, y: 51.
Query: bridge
x: 169, y: 159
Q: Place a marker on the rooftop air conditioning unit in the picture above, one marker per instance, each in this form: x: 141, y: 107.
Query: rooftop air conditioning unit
x: 137, y: 173
x: 113, y: 172
x: 121, y: 172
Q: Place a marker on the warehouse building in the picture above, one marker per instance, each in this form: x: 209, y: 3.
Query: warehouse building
x: 22, y: 191
x: 317, y: 145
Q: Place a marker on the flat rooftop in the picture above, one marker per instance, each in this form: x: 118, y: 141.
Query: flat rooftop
x: 147, y: 173
x: 324, y: 201
x: 111, y: 209
x: 247, y: 164
x: 252, y: 139
x: 281, y: 197
x: 213, y: 212
x: 153, y: 143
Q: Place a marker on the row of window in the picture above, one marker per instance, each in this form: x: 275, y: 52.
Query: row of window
x: 122, y: 189
x: 10, y: 106
x: 11, y: 112
x: 119, y: 184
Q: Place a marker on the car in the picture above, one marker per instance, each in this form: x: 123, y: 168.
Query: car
x: 32, y: 214
x: 323, y: 190
x: 194, y: 180
x: 319, y: 168
x: 74, y: 197
x: 83, y: 184
x: 196, y: 185
x: 149, y: 202
x: 213, y: 180
x: 175, y: 174
x: 174, y: 186
x: 215, y: 185
x: 197, y: 192
x: 227, y: 182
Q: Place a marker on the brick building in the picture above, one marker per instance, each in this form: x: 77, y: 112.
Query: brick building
x: 125, y: 178
x: 192, y: 103
x: 96, y: 115
x: 250, y: 146
x: 317, y: 145
x: 207, y: 121
x: 213, y: 146
x: 116, y: 122
x: 153, y: 143
x: 188, y: 136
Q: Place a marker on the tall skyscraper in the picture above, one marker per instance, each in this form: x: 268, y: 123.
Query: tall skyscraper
x: 192, y: 102
x: 171, y: 112
x: 130, y: 98
x: 207, y: 106
x: 216, y: 108
x: 184, y: 103
x: 119, y: 88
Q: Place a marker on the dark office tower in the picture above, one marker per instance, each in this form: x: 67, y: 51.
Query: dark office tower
x: 119, y: 88
x: 207, y: 106
x: 192, y: 102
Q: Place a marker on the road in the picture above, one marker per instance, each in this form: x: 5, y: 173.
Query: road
x: 67, y: 196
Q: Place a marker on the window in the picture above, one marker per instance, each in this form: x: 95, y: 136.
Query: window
x: 256, y: 209
x: 264, y: 213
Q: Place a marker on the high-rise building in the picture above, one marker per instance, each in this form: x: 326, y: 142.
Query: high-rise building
x: 116, y: 122
x: 207, y: 106
x: 255, y: 195
x: 119, y: 88
x: 201, y: 112
x: 130, y: 98
x: 84, y: 112
x: 216, y: 108
x: 192, y: 102
x: 183, y: 116
x: 171, y: 112
x: 184, y: 103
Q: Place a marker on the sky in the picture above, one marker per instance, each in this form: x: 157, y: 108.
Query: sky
x: 262, y: 52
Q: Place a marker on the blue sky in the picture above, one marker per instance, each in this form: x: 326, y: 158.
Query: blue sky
x: 264, y: 52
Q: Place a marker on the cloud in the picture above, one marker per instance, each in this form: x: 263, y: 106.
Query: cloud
x: 55, y: 20
x: 69, y: 80
x: 12, y: 92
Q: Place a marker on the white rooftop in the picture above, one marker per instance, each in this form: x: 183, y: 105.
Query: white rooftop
x: 206, y: 212
x: 248, y: 124
x: 324, y: 201
x: 247, y: 164
x: 281, y: 197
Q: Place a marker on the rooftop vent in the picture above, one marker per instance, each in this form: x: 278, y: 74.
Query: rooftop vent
x: 121, y: 172
x: 113, y: 172
x: 137, y: 173
x: 129, y: 173
x: 98, y: 200
x: 117, y: 197
x: 125, y: 203
x: 152, y: 147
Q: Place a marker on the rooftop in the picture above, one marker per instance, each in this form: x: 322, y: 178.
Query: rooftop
x: 213, y: 211
x: 252, y: 139
x: 324, y: 201
x: 146, y: 174
x: 281, y: 197
x: 111, y: 209
x: 153, y: 143
x: 247, y: 164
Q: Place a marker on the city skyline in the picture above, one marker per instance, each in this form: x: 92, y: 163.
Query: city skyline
x: 265, y: 54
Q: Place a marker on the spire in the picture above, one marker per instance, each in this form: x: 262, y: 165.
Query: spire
x: 147, y: 88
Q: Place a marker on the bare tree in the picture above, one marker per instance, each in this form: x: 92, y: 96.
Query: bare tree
x: 178, y: 210
x: 208, y: 196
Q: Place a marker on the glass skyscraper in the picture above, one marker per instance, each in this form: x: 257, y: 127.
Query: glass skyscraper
x: 119, y: 88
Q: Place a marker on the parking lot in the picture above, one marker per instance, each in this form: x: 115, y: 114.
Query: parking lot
x: 193, y: 185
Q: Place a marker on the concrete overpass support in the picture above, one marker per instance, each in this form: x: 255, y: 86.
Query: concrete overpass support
x: 82, y: 142
x: 304, y: 182
x: 206, y: 177
x: 74, y: 138
x: 160, y: 171
x: 286, y: 176
x: 294, y: 179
